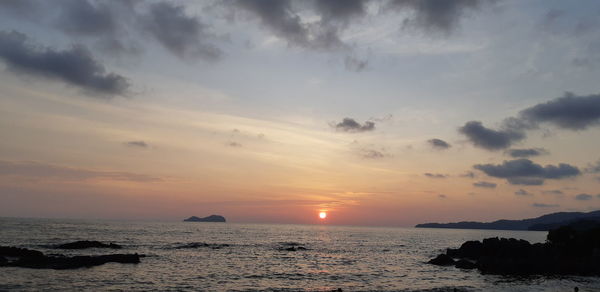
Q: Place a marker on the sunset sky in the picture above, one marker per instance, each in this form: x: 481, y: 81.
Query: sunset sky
x: 391, y: 112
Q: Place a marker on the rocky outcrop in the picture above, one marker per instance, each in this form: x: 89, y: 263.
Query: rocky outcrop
x: 211, y: 218
x: 568, y: 251
x: 26, y: 258
x: 83, y: 244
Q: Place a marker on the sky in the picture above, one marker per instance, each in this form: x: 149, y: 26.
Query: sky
x: 379, y: 112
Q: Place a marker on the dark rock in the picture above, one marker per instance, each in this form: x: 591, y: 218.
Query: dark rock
x: 569, y: 250
x: 25, y: 258
x: 83, y: 244
x: 211, y: 218
x: 442, y: 260
x: 9, y: 251
x: 465, y: 264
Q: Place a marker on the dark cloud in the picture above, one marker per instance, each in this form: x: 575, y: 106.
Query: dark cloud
x: 593, y: 168
x: 442, y: 196
x: 371, y: 153
x: 105, y: 22
x: 435, y: 15
x: 490, y: 139
x: 435, y: 175
x: 438, y: 143
x: 22, y: 8
x: 552, y: 192
x: 542, y: 205
x: 340, y: 11
x: 524, y: 153
x: 526, y: 181
x: 350, y: 125
x: 468, y: 174
x: 82, y: 17
x: 46, y: 171
x: 140, y: 144
x: 522, y: 192
x: 280, y: 17
x: 568, y: 112
x: 485, y: 184
x: 526, y: 172
x: 355, y: 64
x: 583, y: 197
x: 234, y: 144
x: 75, y: 66
x: 183, y: 35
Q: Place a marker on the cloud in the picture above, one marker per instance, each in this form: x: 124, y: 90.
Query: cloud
x: 583, y: 197
x: 371, y: 153
x: 593, y: 168
x: 75, y: 66
x: 525, y: 172
x: 438, y: 143
x: 435, y: 15
x: 522, y: 192
x: 485, y: 184
x: 552, y: 192
x: 542, y: 205
x: 526, y: 181
x: 281, y: 18
x: 435, y: 175
x: 524, y: 153
x: 490, y: 139
x: 183, y: 35
x: 355, y: 64
x: 234, y: 144
x: 104, y: 21
x: 140, y: 144
x: 569, y: 112
x: 442, y: 196
x: 350, y: 125
x: 468, y: 174
x: 82, y: 17
x: 46, y: 171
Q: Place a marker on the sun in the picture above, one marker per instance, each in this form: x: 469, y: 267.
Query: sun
x: 323, y: 215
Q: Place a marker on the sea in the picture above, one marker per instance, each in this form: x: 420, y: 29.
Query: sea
x: 194, y: 256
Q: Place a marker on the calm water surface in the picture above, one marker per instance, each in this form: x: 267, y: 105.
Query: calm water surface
x: 351, y: 258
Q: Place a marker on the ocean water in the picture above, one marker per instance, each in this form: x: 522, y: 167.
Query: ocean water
x: 252, y: 257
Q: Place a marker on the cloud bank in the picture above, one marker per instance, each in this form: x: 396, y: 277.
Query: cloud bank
x: 525, y: 172
x: 74, y: 66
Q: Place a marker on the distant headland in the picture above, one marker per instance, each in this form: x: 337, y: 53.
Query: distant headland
x: 542, y: 223
x: 211, y: 218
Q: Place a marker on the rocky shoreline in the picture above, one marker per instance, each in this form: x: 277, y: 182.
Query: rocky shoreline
x: 569, y: 250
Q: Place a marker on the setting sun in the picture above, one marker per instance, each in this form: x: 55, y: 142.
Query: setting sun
x: 322, y: 215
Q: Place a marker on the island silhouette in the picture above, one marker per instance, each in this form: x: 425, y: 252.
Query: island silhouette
x: 542, y: 223
x: 211, y: 218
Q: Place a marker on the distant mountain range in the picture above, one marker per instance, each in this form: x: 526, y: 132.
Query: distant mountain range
x: 542, y: 223
x: 211, y: 218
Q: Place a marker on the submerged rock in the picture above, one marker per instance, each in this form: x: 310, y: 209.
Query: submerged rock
x: 83, y: 244
x: 26, y: 258
x: 442, y: 260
